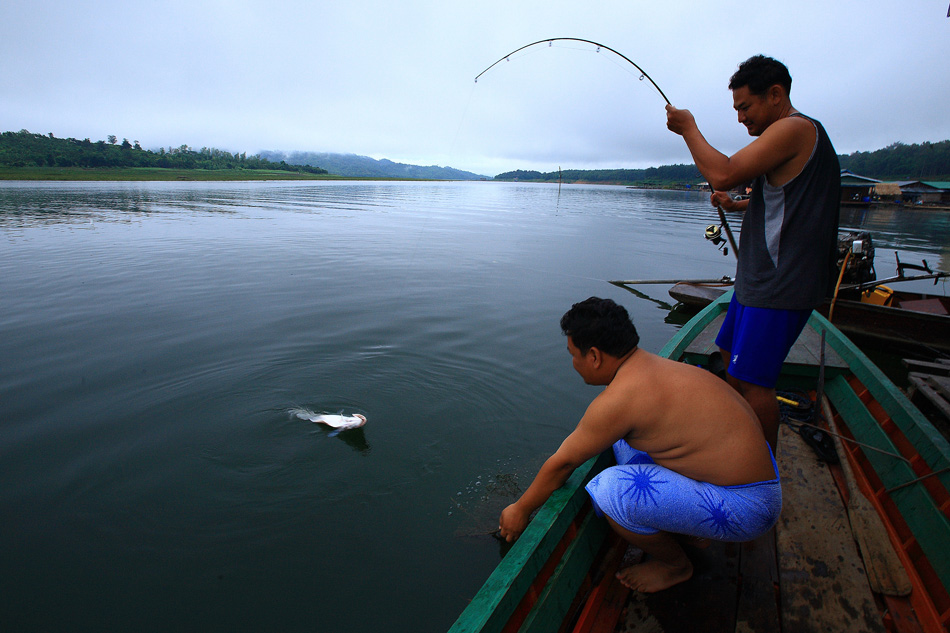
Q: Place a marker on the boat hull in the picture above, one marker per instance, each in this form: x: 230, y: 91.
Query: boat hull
x: 915, y: 320
x: 921, y: 320
x: 558, y: 575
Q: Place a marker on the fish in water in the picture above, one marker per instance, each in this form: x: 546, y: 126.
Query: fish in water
x: 338, y: 422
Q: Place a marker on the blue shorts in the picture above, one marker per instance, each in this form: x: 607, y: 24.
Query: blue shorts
x: 758, y: 340
x: 645, y: 499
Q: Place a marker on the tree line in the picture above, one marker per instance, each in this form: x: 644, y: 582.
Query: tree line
x: 664, y: 176
x: 897, y: 161
x: 926, y: 161
x: 25, y: 149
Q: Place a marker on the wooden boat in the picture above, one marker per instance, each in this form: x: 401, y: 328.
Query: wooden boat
x: 894, y: 316
x: 883, y: 314
x: 890, y: 493
x: 698, y: 295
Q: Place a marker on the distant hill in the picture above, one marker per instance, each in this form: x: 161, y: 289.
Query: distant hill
x: 354, y: 166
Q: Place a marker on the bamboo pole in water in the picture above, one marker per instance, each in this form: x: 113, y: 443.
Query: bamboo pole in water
x: 634, y: 282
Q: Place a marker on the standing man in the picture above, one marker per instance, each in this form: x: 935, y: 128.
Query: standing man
x: 788, y: 245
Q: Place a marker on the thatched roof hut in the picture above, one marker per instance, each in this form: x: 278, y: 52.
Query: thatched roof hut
x: 887, y: 189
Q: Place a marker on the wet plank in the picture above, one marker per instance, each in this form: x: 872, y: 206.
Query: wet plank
x: 706, y: 602
x: 705, y: 342
x: 823, y: 582
x: 758, y: 580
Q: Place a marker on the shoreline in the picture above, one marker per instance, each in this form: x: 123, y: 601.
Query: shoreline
x: 158, y: 174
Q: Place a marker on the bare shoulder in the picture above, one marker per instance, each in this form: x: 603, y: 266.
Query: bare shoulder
x: 794, y: 129
x: 781, y: 151
x: 621, y: 407
x: 641, y: 381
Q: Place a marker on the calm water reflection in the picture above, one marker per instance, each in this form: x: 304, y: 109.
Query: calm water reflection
x: 155, y: 336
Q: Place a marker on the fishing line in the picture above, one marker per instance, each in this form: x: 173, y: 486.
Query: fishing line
x: 550, y: 43
x: 458, y: 130
x: 643, y: 75
x: 452, y: 149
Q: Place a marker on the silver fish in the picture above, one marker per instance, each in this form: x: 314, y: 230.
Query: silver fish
x: 338, y: 422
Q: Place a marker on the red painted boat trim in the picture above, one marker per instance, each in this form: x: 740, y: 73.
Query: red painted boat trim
x: 929, y: 599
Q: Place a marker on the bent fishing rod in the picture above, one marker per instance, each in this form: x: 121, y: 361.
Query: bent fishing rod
x: 643, y: 74
x: 550, y: 41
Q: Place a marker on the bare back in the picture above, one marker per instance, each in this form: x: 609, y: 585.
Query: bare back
x: 685, y: 418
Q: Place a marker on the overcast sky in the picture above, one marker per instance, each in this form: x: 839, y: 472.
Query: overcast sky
x: 396, y: 79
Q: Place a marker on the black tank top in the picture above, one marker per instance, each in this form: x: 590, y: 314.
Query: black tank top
x: 789, y: 239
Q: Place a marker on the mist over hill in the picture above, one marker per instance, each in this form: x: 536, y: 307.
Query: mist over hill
x: 354, y: 166
x: 897, y: 161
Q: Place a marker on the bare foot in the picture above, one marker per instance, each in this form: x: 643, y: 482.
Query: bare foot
x: 654, y: 575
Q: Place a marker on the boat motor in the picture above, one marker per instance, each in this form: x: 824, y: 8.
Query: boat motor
x: 860, y: 268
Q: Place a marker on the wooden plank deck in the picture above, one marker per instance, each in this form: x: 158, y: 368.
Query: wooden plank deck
x: 803, y: 357
x: 933, y: 388
x: 823, y: 583
x: 814, y: 580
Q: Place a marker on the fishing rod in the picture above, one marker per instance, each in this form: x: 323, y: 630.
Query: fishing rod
x: 577, y: 39
x: 725, y: 226
x: 643, y: 74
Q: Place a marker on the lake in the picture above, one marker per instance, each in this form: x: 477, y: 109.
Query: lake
x: 156, y: 339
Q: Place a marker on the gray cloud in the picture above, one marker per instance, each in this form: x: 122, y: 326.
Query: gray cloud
x: 395, y: 80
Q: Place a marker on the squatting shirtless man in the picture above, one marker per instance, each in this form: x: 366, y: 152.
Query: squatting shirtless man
x: 692, y: 458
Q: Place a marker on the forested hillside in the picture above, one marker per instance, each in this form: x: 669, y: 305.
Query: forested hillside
x: 25, y: 149
x: 927, y: 161
x: 354, y: 166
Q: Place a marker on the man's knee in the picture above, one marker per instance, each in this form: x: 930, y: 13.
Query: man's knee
x: 755, y: 393
x: 732, y: 380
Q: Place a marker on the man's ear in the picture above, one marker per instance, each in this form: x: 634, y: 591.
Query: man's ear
x: 596, y: 357
x: 775, y: 94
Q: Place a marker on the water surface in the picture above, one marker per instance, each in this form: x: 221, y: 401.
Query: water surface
x: 154, y: 338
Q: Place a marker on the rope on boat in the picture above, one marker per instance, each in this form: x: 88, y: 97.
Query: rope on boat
x: 797, y: 411
x: 803, y: 404
x: 857, y: 443
x: 919, y: 479
x: 834, y: 299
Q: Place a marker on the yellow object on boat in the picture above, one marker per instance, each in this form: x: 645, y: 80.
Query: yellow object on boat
x: 879, y: 296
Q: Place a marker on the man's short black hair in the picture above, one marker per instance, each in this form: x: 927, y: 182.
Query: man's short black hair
x: 760, y: 73
x: 600, y: 323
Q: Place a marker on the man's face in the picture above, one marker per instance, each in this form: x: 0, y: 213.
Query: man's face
x: 580, y: 360
x: 753, y: 110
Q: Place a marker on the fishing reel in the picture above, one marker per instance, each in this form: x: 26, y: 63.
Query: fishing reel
x: 714, y: 235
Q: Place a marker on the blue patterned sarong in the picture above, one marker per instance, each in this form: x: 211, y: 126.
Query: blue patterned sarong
x: 645, y: 499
